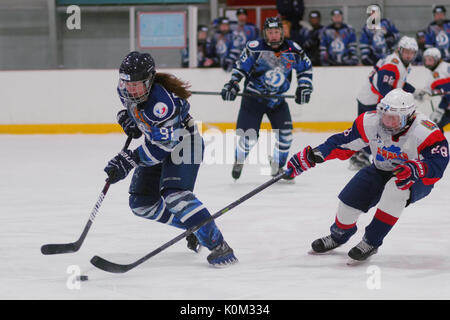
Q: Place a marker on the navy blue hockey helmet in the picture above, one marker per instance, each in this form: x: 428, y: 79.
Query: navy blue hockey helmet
x: 273, y: 23
x: 136, y: 73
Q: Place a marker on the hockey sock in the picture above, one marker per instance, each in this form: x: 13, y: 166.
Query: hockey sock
x: 244, y: 145
x: 282, y: 145
x: 185, y: 206
x: 379, y: 227
x: 341, y: 233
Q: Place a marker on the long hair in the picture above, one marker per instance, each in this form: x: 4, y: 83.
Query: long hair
x: 173, y: 84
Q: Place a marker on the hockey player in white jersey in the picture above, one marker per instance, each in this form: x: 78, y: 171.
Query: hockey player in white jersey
x: 410, y: 156
x: 389, y: 73
x: 438, y: 84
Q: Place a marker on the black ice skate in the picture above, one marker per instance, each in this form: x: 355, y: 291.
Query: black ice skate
x: 237, y: 169
x: 359, y: 160
x: 323, y: 245
x: 192, y: 243
x: 222, y: 256
x: 361, y: 252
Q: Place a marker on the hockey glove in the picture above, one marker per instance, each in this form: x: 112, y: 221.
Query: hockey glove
x: 119, y: 166
x: 230, y: 91
x: 301, y: 161
x: 436, y: 115
x: 409, y: 173
x: 303, y: 94
x: 128, y: 125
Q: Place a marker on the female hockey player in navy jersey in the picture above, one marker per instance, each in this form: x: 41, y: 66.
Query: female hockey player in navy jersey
x: 410, y: 156
x: 267, y: 65
x: 163, y: 181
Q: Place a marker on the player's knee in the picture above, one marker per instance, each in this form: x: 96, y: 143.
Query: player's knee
x: 393, y: 200
x: 147, y: 207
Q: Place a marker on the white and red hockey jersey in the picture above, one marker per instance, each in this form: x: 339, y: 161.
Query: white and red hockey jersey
x: 421, y: 141
x: 389, y: 73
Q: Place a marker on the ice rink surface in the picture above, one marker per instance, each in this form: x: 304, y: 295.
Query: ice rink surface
x: 50, y: 183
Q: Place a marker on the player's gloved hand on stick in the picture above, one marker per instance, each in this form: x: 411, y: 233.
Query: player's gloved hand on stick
x: 230, y: 91
x: 409, y: 173
x: 303, y: 94
x: 119, y: 166
x: 301, y: 161
x: 128, y: 125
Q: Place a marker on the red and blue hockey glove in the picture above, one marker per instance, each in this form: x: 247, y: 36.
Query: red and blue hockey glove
x: 230, y: 91
x: 409, y: 173
x: 128, y: 125
x: 119, y: 166
x: 301, y: 161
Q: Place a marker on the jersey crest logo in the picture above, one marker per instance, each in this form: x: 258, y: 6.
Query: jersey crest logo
x: 253, y: 44
x: 428, y: 124
x: 435, y: 74
x: 395, y: 60
x: 160, y: 110
x: 389, y: 153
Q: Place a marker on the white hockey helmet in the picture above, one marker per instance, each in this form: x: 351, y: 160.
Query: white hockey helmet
x: 408, y: 43
x: 435, y: 53
x: 396, y: 110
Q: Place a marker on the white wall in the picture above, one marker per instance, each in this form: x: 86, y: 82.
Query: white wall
x: 89, y: 96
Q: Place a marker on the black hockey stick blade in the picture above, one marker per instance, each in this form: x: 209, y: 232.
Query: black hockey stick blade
x: 112, y: 267
x: 48, y: 249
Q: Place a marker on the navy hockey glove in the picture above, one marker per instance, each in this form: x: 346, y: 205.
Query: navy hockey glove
x: 303, y: 94
x: 128, y: 125
x: 409, y: 172
x: 301, y: 161
x: 119, y: 166
x: 230, y: 91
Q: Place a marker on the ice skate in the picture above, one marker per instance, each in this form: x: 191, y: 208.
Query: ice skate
x: 276, y: 170
x: 359, y: 160
x: 237, y: 169
x: 361, y: 252
x: 192, y: 243
x: 323, y: 245
x: 222, y: 256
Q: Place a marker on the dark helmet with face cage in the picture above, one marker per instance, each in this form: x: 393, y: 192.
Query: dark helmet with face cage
x: 270, y: 23
x: 136, y: 68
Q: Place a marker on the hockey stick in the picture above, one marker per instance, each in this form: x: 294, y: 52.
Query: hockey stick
x: 74, y: 246
x: 246, y: 94
x: 108, y: 266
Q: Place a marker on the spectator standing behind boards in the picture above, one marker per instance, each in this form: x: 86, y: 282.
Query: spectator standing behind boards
x: 298, y: 36
x: 202, y: 60
x: 338, y: 43
x: 420, y: 38
x: 379, y: 42
x: 220, y: 47
x: 311, y: 44
x: 292, y: 10
x: 438, y: 32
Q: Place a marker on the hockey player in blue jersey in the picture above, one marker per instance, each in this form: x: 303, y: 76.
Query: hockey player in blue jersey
x: 410, y: 156
x: 338, y: 43
x: 377, y: 43
x: 243, y: 32
x: 267, y: 64
x: 438, y: 33
x: 162, y: 185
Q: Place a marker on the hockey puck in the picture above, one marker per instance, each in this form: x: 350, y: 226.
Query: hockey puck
x: 82, y: 278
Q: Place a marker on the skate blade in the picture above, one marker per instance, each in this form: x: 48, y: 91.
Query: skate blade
x: 223, y: 265
x: 353, y: 263
x: 314, y: 253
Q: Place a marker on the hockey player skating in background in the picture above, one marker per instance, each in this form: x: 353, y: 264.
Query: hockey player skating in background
x: 389, y: 73
x: 438, y: 84
x: 267, y: 64
x: 438, y: 33
x: 410, y: 156
x: 161, y: 188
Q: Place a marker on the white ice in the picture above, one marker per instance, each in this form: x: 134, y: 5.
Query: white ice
x: 50, y: 183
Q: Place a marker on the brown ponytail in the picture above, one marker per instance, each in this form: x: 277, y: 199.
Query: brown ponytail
x: 173, y: 84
